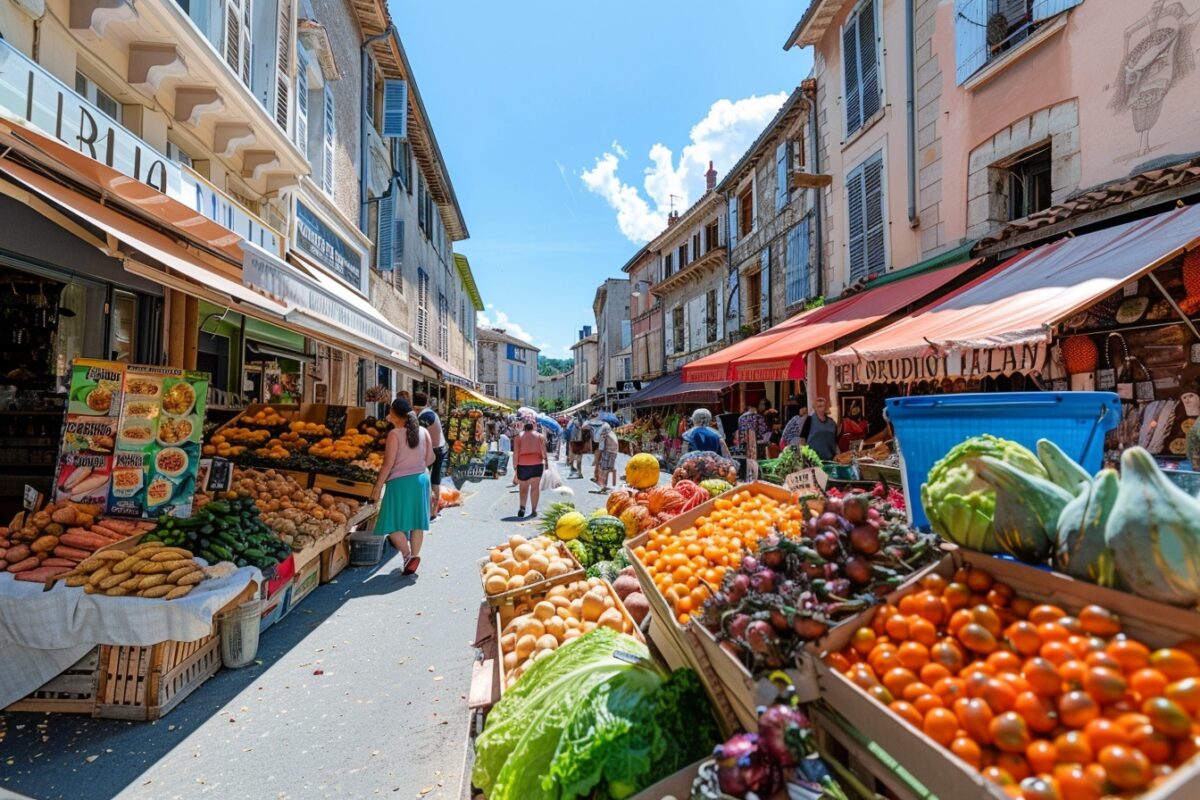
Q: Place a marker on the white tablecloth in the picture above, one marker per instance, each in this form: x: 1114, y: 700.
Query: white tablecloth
x: 43, y: 633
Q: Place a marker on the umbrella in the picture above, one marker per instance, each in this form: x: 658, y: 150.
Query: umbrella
x: 609, y: 417
x: 526, y: 411
x: 549, y: 424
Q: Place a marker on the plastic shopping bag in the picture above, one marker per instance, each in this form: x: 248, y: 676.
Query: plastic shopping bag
x: 551, y: 480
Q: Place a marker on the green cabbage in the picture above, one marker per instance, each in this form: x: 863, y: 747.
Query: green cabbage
x: 959, y: 504
x: 584, y: 722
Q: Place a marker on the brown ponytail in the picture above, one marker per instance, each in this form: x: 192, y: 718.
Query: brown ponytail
x: 413, y: 428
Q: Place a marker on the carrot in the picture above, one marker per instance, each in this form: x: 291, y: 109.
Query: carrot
x: 63, y: 551
x: 41, y: 574
x: 24, y: 566
x: 83, y: 540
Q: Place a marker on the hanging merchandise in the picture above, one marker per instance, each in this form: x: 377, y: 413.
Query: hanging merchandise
x: 1106, y: 376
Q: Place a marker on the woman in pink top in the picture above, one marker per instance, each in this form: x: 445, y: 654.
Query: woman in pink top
x: 404, y: 514
x: 529, y: 453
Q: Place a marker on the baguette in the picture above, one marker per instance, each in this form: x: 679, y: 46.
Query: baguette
x: 179, y: 591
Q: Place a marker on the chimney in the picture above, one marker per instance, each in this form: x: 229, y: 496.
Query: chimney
x: 710, y: 178
x: 672, y: 218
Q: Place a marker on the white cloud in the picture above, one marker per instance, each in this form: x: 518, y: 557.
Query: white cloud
x: 722, y: 137
x: 500, y: 320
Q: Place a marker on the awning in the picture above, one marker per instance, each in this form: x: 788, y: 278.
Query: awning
x: 716, y: 366
x: 578, y: 406
x: 472, y: 396
x: 783, y: 358
x: 183, y: 270
x: 443, y: 369
x: 1002, y: 322
x: 670, y: 390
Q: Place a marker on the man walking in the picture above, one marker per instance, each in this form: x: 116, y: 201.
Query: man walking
x: 820, y: 431
x: 433, y: 424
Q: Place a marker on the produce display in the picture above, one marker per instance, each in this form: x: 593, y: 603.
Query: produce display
x: 523, y: 563
x: 687, y: 566
x: 565, y: 612
x: 781, y: 754
x: 702, y: 465
x: 53, y: 541
x: 466, y: 434
x: 793, y: 590
x: 642, y: 471
x: 1041, y: 701
x: 594, y: 718
x: 591, y: 541
x: 224, y: 530
x: 792, y: 459
x: 300, y: 517
x: 151, y: 569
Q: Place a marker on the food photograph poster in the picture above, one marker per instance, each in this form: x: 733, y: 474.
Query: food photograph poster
x: 131, y: 441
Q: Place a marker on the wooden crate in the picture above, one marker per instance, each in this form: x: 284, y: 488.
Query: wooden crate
x: 328, y: 483
x: 334, y: 559
x: 870, y: 764
x: 307, y: 579
x: 71, y: 692
x: 943, y: 773
x: 144, y: 683
x: 514, y: 595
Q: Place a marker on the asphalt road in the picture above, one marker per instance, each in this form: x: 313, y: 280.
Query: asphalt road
x: 360, y: 691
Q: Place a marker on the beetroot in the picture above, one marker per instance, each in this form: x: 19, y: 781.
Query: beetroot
x: 854, y: 508
x: 743, y: 767
x: 865, y: 539
x: 773, y: 724
x: 761, y: 637
x: 763, y: 581
x: 858, y: 570
x: 809, y: 628
x: 737, y: 625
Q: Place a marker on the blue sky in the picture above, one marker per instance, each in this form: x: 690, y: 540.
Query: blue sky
x: 568, y: 126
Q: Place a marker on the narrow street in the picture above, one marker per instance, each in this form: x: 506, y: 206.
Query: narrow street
x: 360, y: 691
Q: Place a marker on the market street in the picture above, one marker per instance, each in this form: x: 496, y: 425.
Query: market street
x: 361, y: 691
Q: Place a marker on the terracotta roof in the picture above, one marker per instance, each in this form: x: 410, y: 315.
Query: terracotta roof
x: 1178, y: 179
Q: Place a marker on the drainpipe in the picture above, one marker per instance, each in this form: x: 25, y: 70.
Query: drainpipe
x: 910, y: 105
x: 814, y: 138
x: 366, y: 84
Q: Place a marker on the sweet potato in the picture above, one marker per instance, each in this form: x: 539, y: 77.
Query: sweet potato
x: 24, y: 566
x: 65, y: 516
x: 18, y: 552
x: 84, y: 540
x: 63, y: 551
x: 44, y: 544
x: 116, y: 526
x: 40, y: 575
x: 63, y: 563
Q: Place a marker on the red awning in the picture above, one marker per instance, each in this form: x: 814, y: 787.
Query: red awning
x: 716, y: 366
x: 783, y: 357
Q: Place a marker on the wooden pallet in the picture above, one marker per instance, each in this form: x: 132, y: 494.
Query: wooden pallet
x: 71, y: 692
x: 144, y: 683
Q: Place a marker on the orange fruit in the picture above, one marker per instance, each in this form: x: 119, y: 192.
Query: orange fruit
x: 1014, y: 764
x: 933, y: 672
x: 999, y: 695
x: 927, y: 702
x: 1175, y: 664
x: 968, y: 750
x: 1127, y: 768
x: 1168, y: 717
x: 941, y: 725
x: 897, y: 678
x: 1045, y: 613
x: 950, y: 689
x: 977, y: 638
x: 913, y: 655
x: 1042, y: 756
x: 1010, y: 733
x: 1156, y: 746
x: 1056, y: 652
x: 979, y: 581
x: 934, y: 583
x: 1074, y: 748
x: 998, y: 776
x: 1099, y: 621
x: 1076, y: 709
x: 956, y: 595
x: 950, y: 654
x: 922, y: 631
x: 933, y: 609
x: 1043, y: 676
x: 907, y: 712
x: 1074, y: 783
x: 1130, y: 654
x: 1023, y: 637
x: 1104, y: 684
x: 1103, y: 732
x: 1185, y: 693
x: 897, y: 627
x: 1038, y: 711
x: 975, y: 717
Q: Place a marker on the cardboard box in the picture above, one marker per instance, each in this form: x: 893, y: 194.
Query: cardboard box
x: 334, y: 559
x: 944, y: 774
x: 307, y: 578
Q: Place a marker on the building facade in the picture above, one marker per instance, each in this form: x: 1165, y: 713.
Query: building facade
x: 613, y: 338
x: 555, y: 392
x: 645, y: 310
x: 693, y: 286
x: 586, y: 356
x: 507, y: 366
x: 771, y: 251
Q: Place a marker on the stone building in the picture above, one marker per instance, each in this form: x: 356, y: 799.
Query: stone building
x: 586, y: 355
x: 507, y: 366
x: 645, y: 315
x: 613, y: 338
x: 555, y: 391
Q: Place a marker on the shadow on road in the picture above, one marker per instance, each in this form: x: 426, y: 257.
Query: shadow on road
x: 45, y: 756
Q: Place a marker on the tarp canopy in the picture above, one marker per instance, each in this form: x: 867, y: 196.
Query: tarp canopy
x: 578, y: 406
x: 781, y: 356
x: 464, y: 395
x: 716, y: 366
x: 1002, y: 322
x: 671, y: 389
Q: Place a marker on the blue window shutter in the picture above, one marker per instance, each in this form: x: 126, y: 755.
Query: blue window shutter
x: 808, y: 286
x: 795, y: 269
x: 398, y: 245
x: 875, y: 232
x: 395, y: 109
x: 869, y: 86
x: 302, y: 102
x: 764, y: 283
x: 731, y: 234
x: 1044, y: 9
x: 852, y: 91
x: 330, y: 133
x: 782, y: 190
x: 856, y: 224
x: 970, y: 38
x: 385, y: 241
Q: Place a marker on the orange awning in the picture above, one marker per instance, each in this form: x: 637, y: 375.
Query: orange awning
x: 783, y: 358
x: 1002, y: 323
x: 716, y: 366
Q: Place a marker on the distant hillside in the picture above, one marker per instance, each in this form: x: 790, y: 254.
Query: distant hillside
x: 553, y: 366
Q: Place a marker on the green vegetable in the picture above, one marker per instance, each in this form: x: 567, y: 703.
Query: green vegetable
x: 583, y: 722
x: 715, y: 486
x: 1061, y: 468
x: 959, y: 504
x: 1027, y: 510
x: 1082, y: 550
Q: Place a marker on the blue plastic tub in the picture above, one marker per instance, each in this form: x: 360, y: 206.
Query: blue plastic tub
x: 927, y: 427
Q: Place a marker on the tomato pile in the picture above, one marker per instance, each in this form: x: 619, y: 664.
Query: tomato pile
x: 1045, y: 704
x: 688, y: 566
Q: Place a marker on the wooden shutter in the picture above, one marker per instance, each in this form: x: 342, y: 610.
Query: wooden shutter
x: 247, y: 45
x: 302, y: 102
x: 875, y: 231
x: 782, y: 178
x: 1044, y: 9
x: 385, y: 232
x: 283, y: 66
x: 395, y: 109
x: 327, y: 149
x: 765, y: 289
x: 795, y: 267
x: 868, y: 61
x: 808, y: 288
x: 856, y: 224
x: 733, y: 309
x: 233, y: 35
x: 720, y: 312
x: 398, y: 244
x: 669, y: 331
x: 852, y: 93
x: 443, y: 326
x: 970, y: 38
x: 731, y: 234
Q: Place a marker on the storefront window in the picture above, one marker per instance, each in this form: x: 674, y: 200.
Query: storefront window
x: 123, y: 336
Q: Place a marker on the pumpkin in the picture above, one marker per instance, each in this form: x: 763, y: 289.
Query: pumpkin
x: 570, y: 525
x: 664, y: 499
x: 642, y: 471
x: 635, y: 519
x: 618, y: 501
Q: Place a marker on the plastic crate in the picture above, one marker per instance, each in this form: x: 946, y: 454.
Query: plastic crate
x: 927, y: 427
x: 366, y: 550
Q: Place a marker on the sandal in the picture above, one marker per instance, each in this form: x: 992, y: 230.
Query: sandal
x: 410, y: 566
x: 521, y: 512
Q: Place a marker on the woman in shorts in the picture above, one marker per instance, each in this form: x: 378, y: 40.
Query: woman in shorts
x: 529, y: 453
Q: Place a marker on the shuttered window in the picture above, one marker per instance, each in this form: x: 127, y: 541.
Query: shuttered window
x: 302, y: 101
x: 443, y: 326
x: 328, y: 133
x: 422, y: 308
x: 283, y: 66
x: 385, y: 233
x: 395, y: 109
x: 765, y: 290
x: 867, y: 218
x: 237, y: 38
x: 860, y: 61
x: 798, y: 267
x: 783, y: 175
x: 733, y: 218
x: 988, y: 29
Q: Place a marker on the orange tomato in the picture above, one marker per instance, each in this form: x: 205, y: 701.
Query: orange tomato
x: 1126, y: 767
x: 1186, y: 749
x: 881, y: 694
x: 1043, y: 676
x: 839, y: 661
x: 998, y: 775
x: 1099, y: 621
x: 1014, y: 764
x: 977, y: 638
x: 1038, y: 711
x: 1131, y: 655
x: 1045, y: 613
x: 1074, y: 748
x: 1023, y: 637
x: 1167, y: 717
x: 1071, y: 625
x: 1175, y: 664
x: 897, y: 678
x: 1103, y: 732
x: 913, y: 655
x: 1021, y: 606
x: 922, y: 631
x: 968, y: 750
x: 949, y: 653
x: 1074, y: 783
x: 1053, y: 632
x: 986, y: 616
x: 1040, y: 787
x: 1100, y: 658
x: 929, y: 701
x: 1156, y: 746
x: 934, y: 583
x: 958, y: 619
x: 1104, y: 684
x: 907, y: 712
x: 933, y: 609
x: 950, y: 689
x: 933, y: 672
x: 915, y: 690
x: 897, y: 627
x: 1076, y: 709
x: 1056, y: 652
x: 975, y: 717
x: 1010, y: 733
x: 1004, y: 661
x: 979, y: 581
x: 941, y: 725
x: 1185, y: 693
x: 999, y: 695
x: 1000, y: 595
x: 956, y: 596
x: 1042, y: 756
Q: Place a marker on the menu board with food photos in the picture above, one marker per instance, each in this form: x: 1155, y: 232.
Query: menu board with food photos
x: 131, y: 441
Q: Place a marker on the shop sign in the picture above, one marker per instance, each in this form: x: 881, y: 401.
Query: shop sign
x: 266, y: 273
x: 974, y: 363
x: 32, y: 96
x: 318, y: 241
x: 806, y: 481
x: 131, y: 440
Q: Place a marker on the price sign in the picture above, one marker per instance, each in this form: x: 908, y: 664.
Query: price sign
x: 32, y: 499
x: 806, y: 481
x: 475, y: 470
x: 220, y: 475
x: 1130, y: 289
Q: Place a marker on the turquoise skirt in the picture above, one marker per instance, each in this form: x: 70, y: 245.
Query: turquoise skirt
x: 405, y: 505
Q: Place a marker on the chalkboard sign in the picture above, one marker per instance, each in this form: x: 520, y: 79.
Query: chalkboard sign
x: 335, y: 420
x: 476, y: 469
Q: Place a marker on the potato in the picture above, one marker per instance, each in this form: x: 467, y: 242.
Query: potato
x: 612, y: 618
x: 530, y: 626
x: 557, y: 568
x: 525, y: 646
x: 523, y: 552
x: 547, y: 642
x: 556, y: 627
x: 516, y: 582
x: 544, y: 610
x: 539, y: 562
x: 496, y: 584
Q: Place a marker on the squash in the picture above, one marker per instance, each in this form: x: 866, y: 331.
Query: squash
x: 1082, y: 551
x: 642, y: 471
x: 1027, y: 509
x: 570, y: 525
x: 634, y: 518
x: 664, y: 499
x: 618, y: 501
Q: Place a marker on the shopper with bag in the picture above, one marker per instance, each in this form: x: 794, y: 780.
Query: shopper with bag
x: 529, y: 453
x: 607, y: 457
x: 403, y: 484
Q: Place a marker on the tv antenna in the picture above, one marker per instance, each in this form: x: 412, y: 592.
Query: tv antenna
x: 673, y: 196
